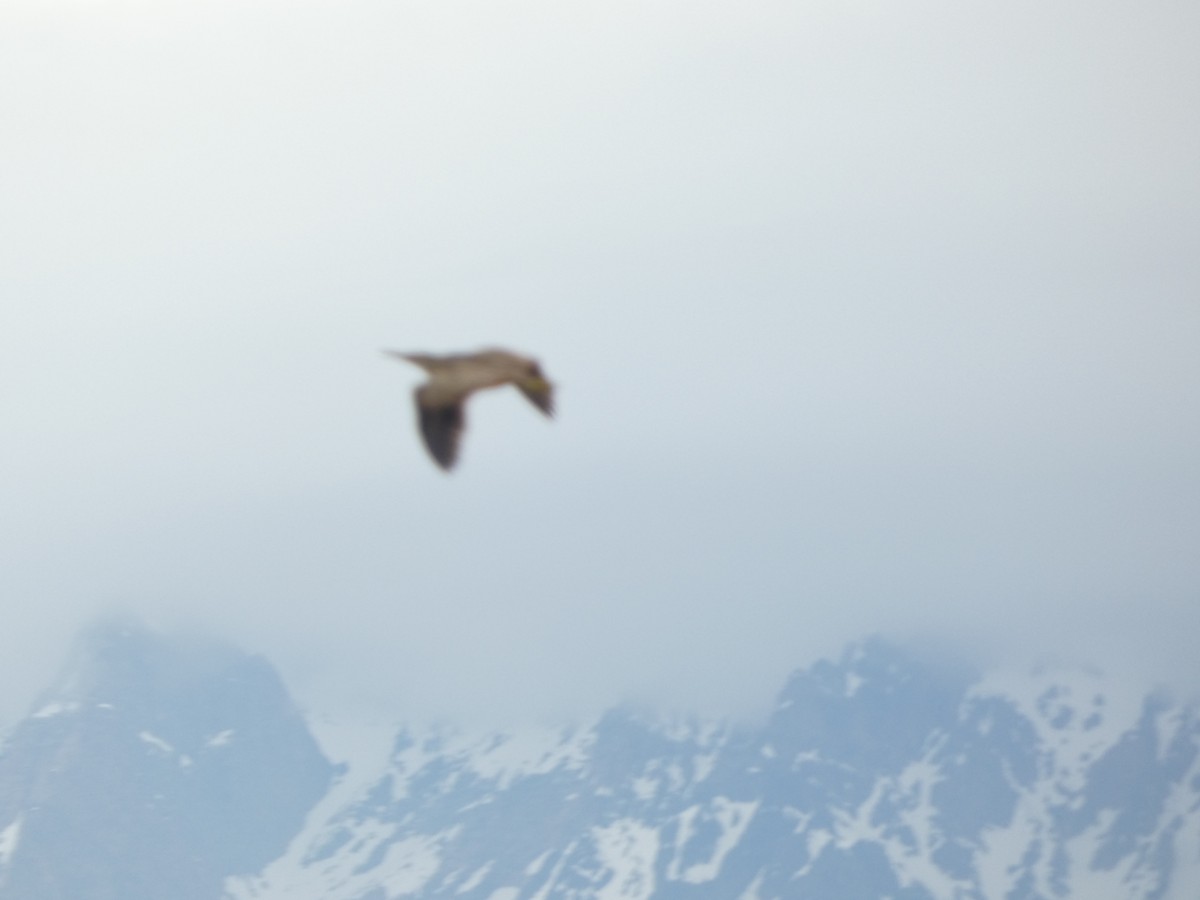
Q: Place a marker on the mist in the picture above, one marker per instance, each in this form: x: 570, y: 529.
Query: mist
x: 864, y: 319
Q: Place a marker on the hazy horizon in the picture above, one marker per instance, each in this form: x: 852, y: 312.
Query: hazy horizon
x: 865, y: 319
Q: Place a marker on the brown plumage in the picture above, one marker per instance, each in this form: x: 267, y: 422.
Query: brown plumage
x: 452, y: 379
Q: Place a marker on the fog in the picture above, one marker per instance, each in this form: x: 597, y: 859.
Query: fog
x: 865, y: 318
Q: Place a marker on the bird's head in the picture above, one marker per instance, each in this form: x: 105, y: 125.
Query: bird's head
x: 534, y: 379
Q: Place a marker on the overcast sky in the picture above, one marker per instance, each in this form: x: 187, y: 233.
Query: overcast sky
x: 866, y: 318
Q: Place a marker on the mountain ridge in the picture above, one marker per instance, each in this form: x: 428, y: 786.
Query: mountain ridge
x: 879, y: 774
x: 155, y: 766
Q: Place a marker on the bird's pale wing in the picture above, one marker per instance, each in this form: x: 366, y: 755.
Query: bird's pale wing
x: 441, y: 427
x: 539, y: 392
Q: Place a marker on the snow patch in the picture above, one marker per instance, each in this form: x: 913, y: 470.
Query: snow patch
x: 55, y: 708
x: 733, y: 819
x: 403, y: 868
x: 306, y: 869
x: 220, y: 739
x: 853, y: 682
x: 702, y: 765
x: 628, y: 850
x: 645, y: 788
x: 751, y: 892
x: 544, y: 893
x: 1002, y: 849
x: 915, y: 865
x: 503, y: 757
x: 9, y: 838
x: 816, y: 841
x: 802, y: 818
x: 409, y: 864
x: 1081, y: 852
x: 536, y: 866
x: 1077, y: 714
x: 475, y: 879
x: 1187, y: 839
x: 155, y: 741
x: 1167, y: 725
x: 853, y: 826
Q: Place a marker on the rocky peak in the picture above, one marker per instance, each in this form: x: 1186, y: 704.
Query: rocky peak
x: 157, y: 766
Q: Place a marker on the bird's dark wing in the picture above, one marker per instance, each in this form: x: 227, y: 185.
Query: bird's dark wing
x: 539, y: 392
x: 442, y: 428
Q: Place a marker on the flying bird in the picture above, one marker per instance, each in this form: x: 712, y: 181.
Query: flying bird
x: 453, y: 378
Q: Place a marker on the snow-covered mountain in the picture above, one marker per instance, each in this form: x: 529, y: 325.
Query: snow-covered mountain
x: 881, y: 775
x: 156, y: 767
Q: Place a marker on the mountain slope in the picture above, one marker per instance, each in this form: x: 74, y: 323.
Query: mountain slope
x: 156, y: 768
x: 878, y: 776
x: 164, y: 766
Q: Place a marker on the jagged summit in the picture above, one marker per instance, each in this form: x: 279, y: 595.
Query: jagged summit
x: 882, y: 774
x: 157, y: 765
x: 122, y: 655
x: 173, y: 766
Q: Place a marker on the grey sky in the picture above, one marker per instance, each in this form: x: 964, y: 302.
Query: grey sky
x: 866, y: 317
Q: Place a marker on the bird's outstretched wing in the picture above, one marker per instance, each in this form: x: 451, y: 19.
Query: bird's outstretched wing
x: 441, y: 427
x: 539, y: 392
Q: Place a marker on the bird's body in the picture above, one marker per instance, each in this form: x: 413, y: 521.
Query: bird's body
x: 453, y: 378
